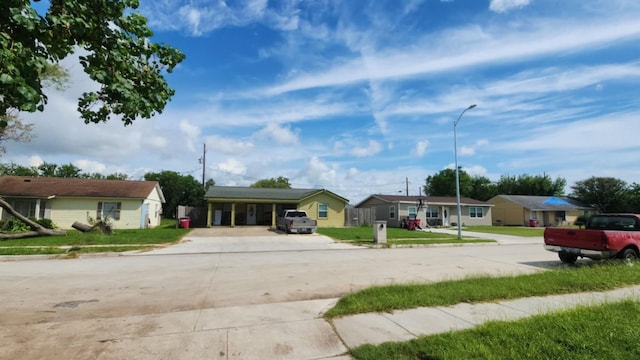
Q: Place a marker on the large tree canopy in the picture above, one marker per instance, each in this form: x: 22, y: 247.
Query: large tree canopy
x: 178, y: 190
x: 482, y: 188
x: 605, y: 193
x: 280, y: 183
x: 117, y: 54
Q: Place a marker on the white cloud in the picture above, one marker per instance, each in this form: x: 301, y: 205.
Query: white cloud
x: 508, y: 44
x: 232, y: 166
x: 501, y: 6
x: 319, y: 173
x: 280, y: 134
x: 421, y: 147
x: 371, y: 150
x: 228, y: 145
x: 89, y: 166
x: 35, y: 161
x: 466, y: 150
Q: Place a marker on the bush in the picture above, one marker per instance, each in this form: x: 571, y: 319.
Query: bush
x: 46, y: 223
x: 15, y: 225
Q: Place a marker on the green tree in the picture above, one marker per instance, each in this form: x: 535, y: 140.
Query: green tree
x: 209, y: 183
x: 607, y: 194
x: 117, y: 176
x: 482, y: 188
x: 18, y: 170
x: 633, y: 199
x: 540, y: 185
x: 47, y: 169
x: 120, y: 57
x: 279, y: 183
x: 444, y: 183
x: 178, y: 190
x: 68, y: 171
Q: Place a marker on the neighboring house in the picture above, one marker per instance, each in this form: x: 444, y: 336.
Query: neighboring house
x: 524, y: 210
x: 127, y: 204
x: 231, y: 205
x: 434, y: 210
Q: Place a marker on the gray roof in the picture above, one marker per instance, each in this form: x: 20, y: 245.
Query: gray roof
x: 432, y: 200
x: 546, y: 203
x: 241, y: 192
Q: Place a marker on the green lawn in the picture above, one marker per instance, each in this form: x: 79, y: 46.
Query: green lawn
x: 364, y: 235
x: 606, y: 331
x: 507, y: 230
x: 142, y: 238
x: 600, y: 276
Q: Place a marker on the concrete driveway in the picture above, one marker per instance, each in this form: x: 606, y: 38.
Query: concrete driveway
x: 248, y: 239
x: 209, y: 300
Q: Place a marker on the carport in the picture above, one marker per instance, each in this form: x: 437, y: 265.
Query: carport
x: 237, y: 206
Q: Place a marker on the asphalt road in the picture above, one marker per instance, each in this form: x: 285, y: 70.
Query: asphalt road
x: 218, y: 295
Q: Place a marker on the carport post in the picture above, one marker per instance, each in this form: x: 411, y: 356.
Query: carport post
x: 233, y: 214
x: 273, y: 216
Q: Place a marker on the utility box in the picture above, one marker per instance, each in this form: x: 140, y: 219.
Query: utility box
x: 380, y: 232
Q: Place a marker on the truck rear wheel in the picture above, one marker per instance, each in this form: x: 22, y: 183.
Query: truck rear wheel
x: 629, y: 254
x: 567, y: 258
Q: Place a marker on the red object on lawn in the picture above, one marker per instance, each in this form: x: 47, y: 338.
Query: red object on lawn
x: 185, y: 222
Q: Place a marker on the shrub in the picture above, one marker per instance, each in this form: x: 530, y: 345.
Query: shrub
x: 46, y: 223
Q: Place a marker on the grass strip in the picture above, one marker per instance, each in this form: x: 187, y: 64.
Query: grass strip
x: 124, y: 236
x: 588, y: 277
x: 607, y: 331
x: 50, y: 250
x: 365, y: 234
x: 508, y: 230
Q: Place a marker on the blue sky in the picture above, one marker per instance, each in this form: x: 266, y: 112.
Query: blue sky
x: 358, y: 96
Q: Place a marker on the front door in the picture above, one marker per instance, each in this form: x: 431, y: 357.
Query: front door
x: 251, y: 214
x: 445, y: 217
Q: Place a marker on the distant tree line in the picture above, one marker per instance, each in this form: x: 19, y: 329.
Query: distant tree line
x: 607, y: 194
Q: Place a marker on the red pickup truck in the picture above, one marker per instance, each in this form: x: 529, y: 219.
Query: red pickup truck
x: 604, y: 236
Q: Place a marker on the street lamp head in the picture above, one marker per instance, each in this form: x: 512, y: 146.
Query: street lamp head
x: 471, y: 106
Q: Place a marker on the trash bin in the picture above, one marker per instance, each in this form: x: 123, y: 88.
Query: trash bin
x: 380, y: 232
x: 184, y: 222
x: 533, y: 222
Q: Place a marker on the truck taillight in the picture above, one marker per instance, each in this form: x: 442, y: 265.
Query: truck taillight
x: 604, y: 242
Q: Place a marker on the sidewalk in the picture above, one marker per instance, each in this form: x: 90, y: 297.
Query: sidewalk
x: 404, y: 325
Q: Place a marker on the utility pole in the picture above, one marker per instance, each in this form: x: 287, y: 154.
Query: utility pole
x: 407, y: 184
x: 204, y: 162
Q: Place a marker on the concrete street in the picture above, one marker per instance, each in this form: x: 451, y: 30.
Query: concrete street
x: 218, y: 295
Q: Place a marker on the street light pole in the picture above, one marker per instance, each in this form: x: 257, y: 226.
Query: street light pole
x: 455, y: 155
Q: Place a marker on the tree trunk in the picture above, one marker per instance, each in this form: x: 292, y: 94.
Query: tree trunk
x: 37, y: 229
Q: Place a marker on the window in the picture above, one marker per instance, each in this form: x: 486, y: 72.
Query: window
x: 392, y: 212
x: 108, y: 210
x: 432, y: 212
x: 25, y: 207
x: 476, y: 212
x: 323, y: 211
x: 412, y: 210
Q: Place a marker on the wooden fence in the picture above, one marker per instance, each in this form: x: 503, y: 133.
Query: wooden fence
x: 359, y: 217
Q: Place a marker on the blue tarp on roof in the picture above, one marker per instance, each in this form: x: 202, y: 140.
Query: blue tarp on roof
x: 555, y: 201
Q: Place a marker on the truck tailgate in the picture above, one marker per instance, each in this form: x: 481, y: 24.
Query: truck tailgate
x: 583, y: 239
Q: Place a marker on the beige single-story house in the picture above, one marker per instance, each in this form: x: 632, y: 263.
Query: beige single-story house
x: 434, y: 210
x: 234, y: 205
x: 127, y: 204
x: 525, y: 210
